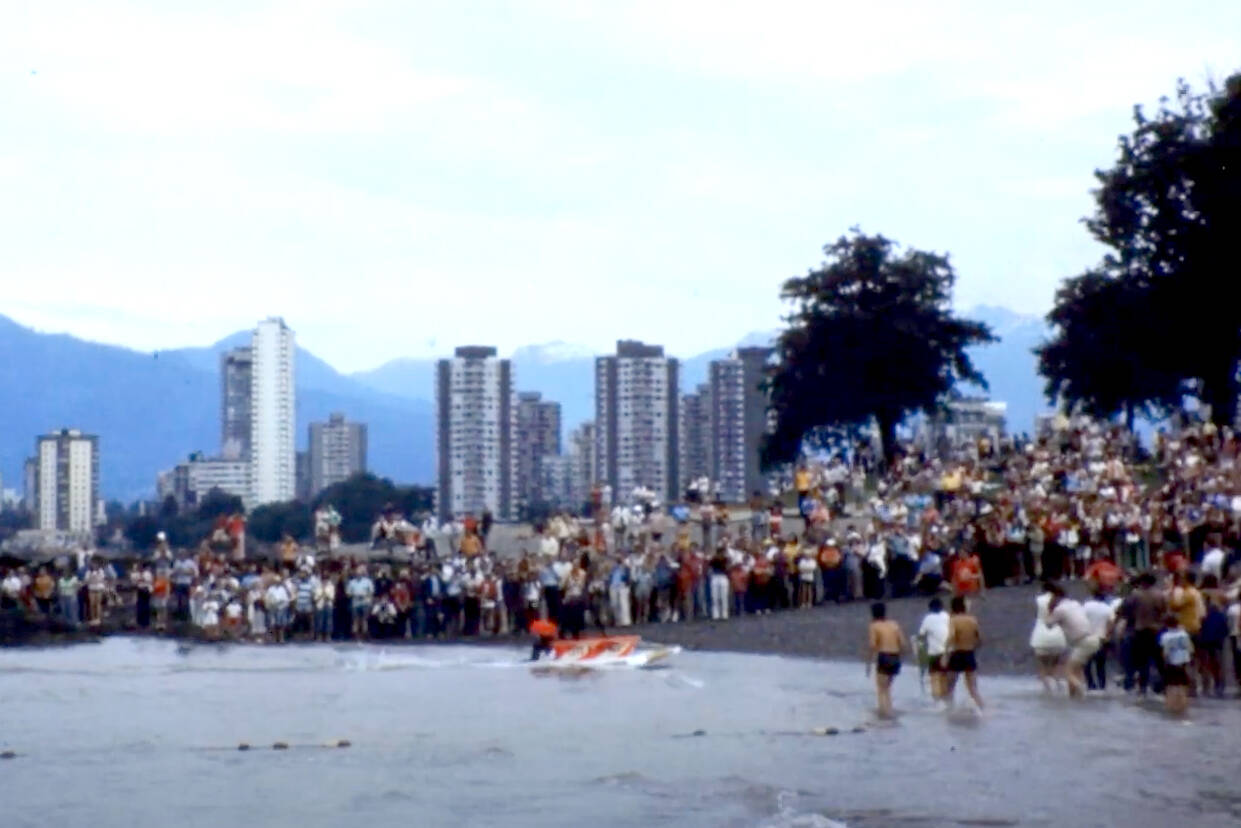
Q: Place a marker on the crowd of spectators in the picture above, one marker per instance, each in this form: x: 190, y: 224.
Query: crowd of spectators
x: 1083, y: 501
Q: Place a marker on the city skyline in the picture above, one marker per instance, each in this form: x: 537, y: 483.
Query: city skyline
x: 696, y: 156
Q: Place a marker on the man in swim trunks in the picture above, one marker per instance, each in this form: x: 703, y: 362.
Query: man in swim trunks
x: 886, y: 643
x: 959, y: 658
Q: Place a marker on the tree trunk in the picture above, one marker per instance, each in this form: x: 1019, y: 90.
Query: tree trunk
x: 887, y: 434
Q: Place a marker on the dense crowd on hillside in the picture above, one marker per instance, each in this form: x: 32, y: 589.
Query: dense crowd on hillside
x: 1072, y: 505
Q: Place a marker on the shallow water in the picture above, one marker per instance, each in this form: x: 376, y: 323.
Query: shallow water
x: 131, y: 731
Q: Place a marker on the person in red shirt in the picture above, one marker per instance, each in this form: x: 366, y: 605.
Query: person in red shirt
x: 687, y: 582
x: 760, y: 583
x: 1103, y: 573
x: 967, y: 575
x: 236, y: 528
x: 1174, y: 561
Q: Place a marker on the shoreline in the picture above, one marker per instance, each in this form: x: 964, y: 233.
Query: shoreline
x: 833, y: 632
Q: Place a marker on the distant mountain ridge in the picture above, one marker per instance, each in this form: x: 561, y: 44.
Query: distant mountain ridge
x: 151, y: 410
x: 566, y: 373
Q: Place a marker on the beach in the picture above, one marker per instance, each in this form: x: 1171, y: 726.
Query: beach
x: 838, y: 631
x: 828, y: 631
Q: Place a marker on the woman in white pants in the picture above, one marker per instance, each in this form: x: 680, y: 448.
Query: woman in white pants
x: 721, y: 588
x: 618, y: 594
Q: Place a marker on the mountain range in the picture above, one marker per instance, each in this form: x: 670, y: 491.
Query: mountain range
x: 151, y: 410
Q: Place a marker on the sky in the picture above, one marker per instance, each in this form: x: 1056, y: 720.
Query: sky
x: 396, y: 179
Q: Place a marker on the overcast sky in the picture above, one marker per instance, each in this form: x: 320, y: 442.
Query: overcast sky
x: 399, y: 178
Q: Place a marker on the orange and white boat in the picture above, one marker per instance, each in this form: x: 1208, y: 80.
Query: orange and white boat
x: 606, y: 651
x: 587, y: 649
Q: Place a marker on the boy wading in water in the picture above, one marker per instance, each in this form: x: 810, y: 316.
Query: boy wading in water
x: 960, y: 657
x: 1178, y: 651
x: 887, y: 642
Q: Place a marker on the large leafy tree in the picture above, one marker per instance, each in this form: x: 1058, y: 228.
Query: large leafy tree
x: 1105, y: 357
x: 871, y: 339
x: 1169, y: 212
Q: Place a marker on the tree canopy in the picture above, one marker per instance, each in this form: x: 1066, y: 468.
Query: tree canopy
x: 1104, y: 359
x: 361, y: 498
x: 871, y: 339
x: 1160, y: 315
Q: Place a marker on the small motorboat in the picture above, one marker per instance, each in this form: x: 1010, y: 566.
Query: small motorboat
x: 604, y: 651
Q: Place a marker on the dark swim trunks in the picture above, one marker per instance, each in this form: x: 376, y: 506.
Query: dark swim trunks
x: 962, y: 661
x: 1175, y: 676
x: 888, y: 664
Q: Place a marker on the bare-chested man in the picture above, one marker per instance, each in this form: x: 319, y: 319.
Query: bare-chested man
x: 960, y: 657
x: 886, y: 643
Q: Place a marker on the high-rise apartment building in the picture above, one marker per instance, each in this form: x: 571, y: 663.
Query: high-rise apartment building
x: 538, y: 436
x: 555, y: 485
x: 695, y: 439
x: 236, y: 379
x: 476, y: 455
x: 637, y: 422
x: 30, y: 484
x: 583, y: 465
x: 273, y: 461
x: 189, y: 483
x: 337, y: 451
x: 738, y: 420
x: 67, y: 481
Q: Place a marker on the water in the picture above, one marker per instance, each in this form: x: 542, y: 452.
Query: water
x: 131, y: 731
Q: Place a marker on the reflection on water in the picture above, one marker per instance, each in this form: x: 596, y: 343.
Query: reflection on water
x: 130, y: 731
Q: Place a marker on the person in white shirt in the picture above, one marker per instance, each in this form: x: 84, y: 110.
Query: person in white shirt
x: 96, y: 589
x: 325, y: 604
x: 1234, y: 633
x: 10, y: 590
x: 1047, y: 642
x: 1213, y: 560
x: 933, y: 639
x: 209, y: 615
x: 1100, y: 614
x: 1069, y: 616
x: 276, y: 601
x: 361, y: 590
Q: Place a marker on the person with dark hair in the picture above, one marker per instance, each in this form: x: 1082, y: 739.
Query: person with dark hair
x: 1069, y: 616
x: 1209, y: 645
x: 933, y: 639
x: 964, y: 638
x: 1143, y: 613
x: 886, y: 642
x: 1099, y: 613
x: 1177, y: 648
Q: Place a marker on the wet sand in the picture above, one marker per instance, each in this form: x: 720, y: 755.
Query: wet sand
x: 839, y: 631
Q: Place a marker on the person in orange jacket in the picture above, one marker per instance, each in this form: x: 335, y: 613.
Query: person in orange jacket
x: 545, y: 633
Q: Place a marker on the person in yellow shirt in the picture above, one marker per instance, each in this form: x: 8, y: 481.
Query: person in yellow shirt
x: 1185, y: 601
x: 801, y: 481
x: 1187, y: 604
x: 791, y: 550
x: 951, y: 481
